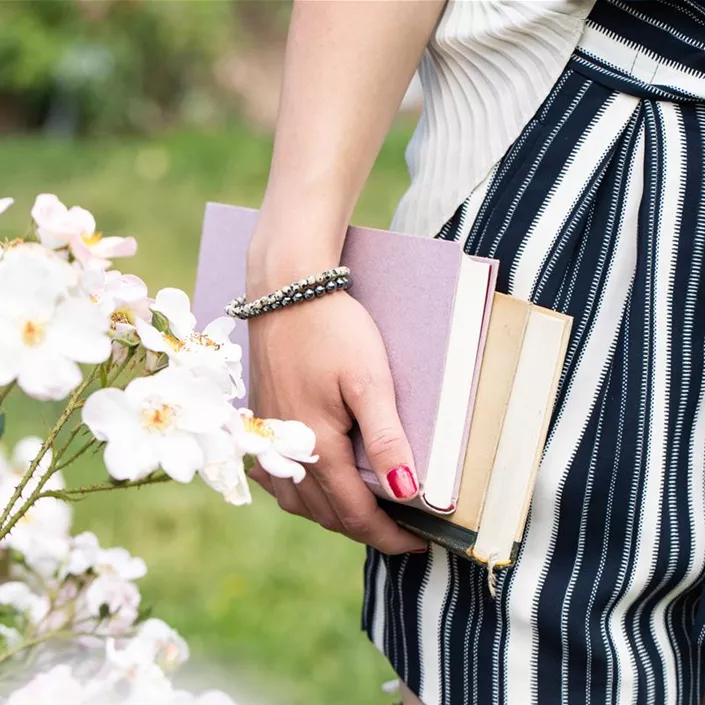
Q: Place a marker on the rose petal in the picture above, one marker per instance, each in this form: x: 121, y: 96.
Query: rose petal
x: 279, y: 466
x: 293, y: 439
x: 10, y: 352
x: 180, y: 456
x: 79, y: 330
x: 219, y: 329
x: 130, y: 288
x: 85, y: 255
x: 46, y: 205
x: 247, y: 442
x: 110, y: 247
x: 5, y: 203
x: 224, y: 470
x: 48, y: 376
x: 151, y: 338
x: 81, y: 220
x: 50, y: 216
x: 119, y: 560
x: 131, y: 457
x: 109, y: 413
x: 214, y: 697
x: 204, y: 408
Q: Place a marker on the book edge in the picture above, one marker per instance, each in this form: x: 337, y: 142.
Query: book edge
x: 562, y: 350
x: 456, y: 539
x: 530, y: 478
x: 504, y: 417
x: 492, y: 266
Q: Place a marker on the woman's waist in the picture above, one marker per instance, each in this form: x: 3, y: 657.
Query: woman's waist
x: 647, y: 48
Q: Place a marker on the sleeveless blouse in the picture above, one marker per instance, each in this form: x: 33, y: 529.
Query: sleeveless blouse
x: 486, y: 71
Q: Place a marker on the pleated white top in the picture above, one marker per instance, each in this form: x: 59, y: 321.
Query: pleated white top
x: 486, y: 71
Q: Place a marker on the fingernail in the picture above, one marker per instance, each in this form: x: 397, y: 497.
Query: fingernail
x: 420, y: 550
x: 402, y: 482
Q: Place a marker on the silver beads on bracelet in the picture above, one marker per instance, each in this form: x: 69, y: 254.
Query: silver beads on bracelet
x: 328, y: 282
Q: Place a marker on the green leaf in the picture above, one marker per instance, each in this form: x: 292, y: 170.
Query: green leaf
x: 15, y: 556
x: 2, y: 423
x: 103, y: 375
x: 162, y: 362
x: 248, y: 462
x: 8, y: 614
x: 129, y: 339
x: 104, y: 611
x: 160, y: 322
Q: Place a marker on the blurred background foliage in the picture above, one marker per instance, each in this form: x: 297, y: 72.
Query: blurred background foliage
x: 142, y: 111
x: 96, y: 66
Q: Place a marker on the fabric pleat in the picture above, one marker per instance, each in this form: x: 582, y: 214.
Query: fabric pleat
x: 486, y: 71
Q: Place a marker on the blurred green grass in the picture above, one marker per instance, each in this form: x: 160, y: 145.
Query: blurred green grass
x: 266, y: 599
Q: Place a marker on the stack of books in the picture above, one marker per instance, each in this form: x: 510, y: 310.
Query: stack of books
x: 475, y: 374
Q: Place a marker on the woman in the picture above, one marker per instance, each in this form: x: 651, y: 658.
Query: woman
x: 565, y: 139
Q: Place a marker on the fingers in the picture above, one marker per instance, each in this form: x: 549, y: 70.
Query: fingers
x: 356, y: 507
x: 334, y: 496
x: 262, y: 478
x: 374, y: 407
x: 317, y: 504
x: 305, y: 499
x: 288, y: 498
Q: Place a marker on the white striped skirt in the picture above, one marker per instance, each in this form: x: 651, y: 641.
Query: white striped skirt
x: 597, y: 210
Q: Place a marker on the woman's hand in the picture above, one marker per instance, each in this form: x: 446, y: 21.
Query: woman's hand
x: 348, y: 65
x: 324, y: 363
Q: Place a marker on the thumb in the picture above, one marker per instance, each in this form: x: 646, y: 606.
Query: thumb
x: 373, y: 405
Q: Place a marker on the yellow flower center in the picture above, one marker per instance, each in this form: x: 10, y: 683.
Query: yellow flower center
x: 257, y: 426
x: 14, y: 243
x: 158, y: 418
x: 200, y: 340
x: 91, y: 238
x: 173, y: 342
x: 32, y: 333
x: 106, y: 569
x: 121, y: 316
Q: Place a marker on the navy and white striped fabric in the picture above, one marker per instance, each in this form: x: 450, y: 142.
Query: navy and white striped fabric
x: 597, y: 210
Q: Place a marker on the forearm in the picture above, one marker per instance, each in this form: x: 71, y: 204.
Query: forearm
x: 348, y: 64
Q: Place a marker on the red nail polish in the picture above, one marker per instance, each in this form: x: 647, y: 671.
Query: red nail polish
x: 420, y: 550
x: 402, y: 482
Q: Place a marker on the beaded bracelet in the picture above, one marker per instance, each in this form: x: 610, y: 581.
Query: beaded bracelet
x: 328, y: 282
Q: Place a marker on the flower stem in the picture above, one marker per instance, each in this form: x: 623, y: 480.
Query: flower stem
x: 59, y: 453
x: 86, y: 446
x: 76, y: 430
x: 5, y: 525
x: 129, y: 359
x: 6, y: 390
x: 29, y: 643
x: 78, y: 492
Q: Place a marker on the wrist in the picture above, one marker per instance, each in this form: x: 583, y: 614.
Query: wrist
x: 265, y: 276
x: 329, y: 281
x: 300, y: 232
x: 277, y: 260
